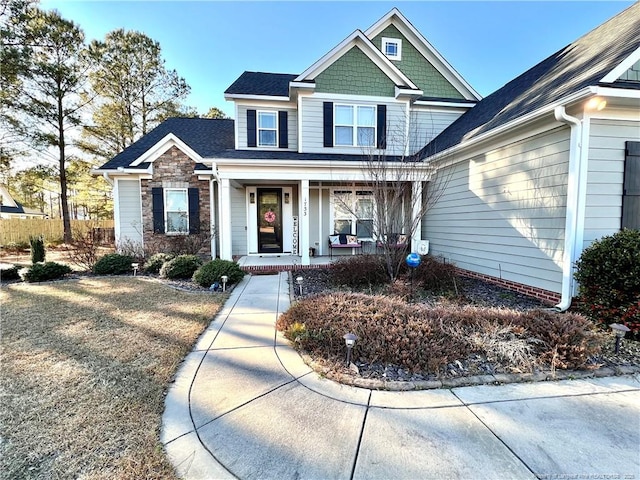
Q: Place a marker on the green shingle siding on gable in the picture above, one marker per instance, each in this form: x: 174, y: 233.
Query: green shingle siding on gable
x: 417, y: 68
x: 633, y: 74
x: 354, y: 73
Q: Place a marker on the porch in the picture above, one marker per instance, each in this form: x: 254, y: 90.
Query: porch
x: 277, y: 263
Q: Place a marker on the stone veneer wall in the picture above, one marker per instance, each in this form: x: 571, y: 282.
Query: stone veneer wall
x: 174, y: 169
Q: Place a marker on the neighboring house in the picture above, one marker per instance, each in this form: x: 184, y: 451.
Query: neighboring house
x: 9, y: 208
x: 532, y: 174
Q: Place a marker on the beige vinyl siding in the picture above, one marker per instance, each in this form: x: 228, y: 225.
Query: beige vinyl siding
x: 241, y: 125
x: 130, y: 211
x: 427, y: 124
x: 605, y: 176
x: 313, y: 133
x: 238, y: 221
x: 503, y: 213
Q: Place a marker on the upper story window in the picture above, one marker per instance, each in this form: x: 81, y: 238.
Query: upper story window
x: 267, y: 129
x: 176, y: 208
x: 392, y: 48
x: 355, y: 125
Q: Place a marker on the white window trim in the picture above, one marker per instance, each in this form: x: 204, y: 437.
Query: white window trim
x: 355, y: 125
x: 270, y: 112
x: 398, y: 42
x: 166, y: 210
x: 352, y: 208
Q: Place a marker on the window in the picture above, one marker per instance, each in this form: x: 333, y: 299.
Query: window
x: 176, y: 207
x: 392, y: 48
x: 355, y: 125
x: 353, y: 212
x: 267, y: 129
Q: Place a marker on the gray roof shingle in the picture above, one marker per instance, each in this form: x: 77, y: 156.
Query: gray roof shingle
x: 581, y: 64
x: 205, y: 136
x: 259, y: 83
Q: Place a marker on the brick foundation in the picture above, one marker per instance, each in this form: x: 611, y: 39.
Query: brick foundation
x: 547, y: 296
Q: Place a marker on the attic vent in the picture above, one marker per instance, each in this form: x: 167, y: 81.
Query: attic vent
x: 392, y: 48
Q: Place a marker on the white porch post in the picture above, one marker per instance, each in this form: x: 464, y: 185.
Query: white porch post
x: 303, y: 213
x: 416, y: 194
x: 212, y: 219
x: 224, y: 201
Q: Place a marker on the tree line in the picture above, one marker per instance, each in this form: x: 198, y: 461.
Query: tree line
x: 69, y: 105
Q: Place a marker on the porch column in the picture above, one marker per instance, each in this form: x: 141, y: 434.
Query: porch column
x: 416, y: 195
x: 303, y: 212
x: 212, y: 219
x: 224, y: 201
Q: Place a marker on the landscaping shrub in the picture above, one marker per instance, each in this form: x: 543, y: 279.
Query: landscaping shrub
x: 9, y: 273
x: 421, y: 338
x: 609, y: 275
x: 84, y: 250
x: 183, y: 266
x: 40, y: 272
x: 435, y: 275
x: 37, y: 249
x: 360, y: 271
x: 155, y: 262
x: 16, y: 247
x: 113, y: 264
x: 212, y: 272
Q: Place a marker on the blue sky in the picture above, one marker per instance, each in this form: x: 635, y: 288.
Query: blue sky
x: 210, y: 43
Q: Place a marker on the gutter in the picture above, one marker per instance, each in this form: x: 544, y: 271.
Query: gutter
x: 573, y: 204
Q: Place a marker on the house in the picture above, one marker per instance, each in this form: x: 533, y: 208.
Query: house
x: 531, y: 174
x: 9, y: 208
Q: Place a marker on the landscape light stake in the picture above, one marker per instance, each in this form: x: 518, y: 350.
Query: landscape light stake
x: 300, y: 281
x: 224, y: 279
x: 413, y: 261
x: 135, y: 268
x: 350, y: 341
x: 620, y: 331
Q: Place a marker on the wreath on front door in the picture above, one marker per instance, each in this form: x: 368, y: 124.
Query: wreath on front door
x: 270, y: 217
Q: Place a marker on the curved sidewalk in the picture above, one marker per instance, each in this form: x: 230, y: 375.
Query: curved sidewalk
x: 244, y: 405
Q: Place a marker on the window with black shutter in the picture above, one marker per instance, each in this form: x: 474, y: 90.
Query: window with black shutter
x: 252, y: 137
x: 194, y: 211
x: 327, y: 116
x: 381, y: 141
x: 631, y: 188
x: 283, y: 129
x: 158, y: 209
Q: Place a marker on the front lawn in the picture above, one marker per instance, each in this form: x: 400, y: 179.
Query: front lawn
x: 84, y: 368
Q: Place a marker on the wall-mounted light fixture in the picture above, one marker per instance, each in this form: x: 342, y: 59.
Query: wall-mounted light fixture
x: 286, y: 197
x: 252, y: 197
x: 595, y: 104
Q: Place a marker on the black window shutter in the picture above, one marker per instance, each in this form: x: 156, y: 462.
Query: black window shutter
x: 283, y: 129
x: 194, y: 211
x: 158, y: 209
x: 327, y: 116
x: 381, y: 141
x: 251, y: 129
x: 631, y: 188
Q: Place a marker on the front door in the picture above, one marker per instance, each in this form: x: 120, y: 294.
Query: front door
x: 269, y: 220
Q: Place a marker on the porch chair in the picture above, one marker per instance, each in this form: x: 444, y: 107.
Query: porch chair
x: 341, y: 240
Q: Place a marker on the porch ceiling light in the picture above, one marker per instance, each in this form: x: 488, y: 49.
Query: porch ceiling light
x: 595, y: 104
x: 620, y: 331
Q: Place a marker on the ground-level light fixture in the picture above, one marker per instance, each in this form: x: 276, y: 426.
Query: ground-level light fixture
x: 620, y: 331
x: 350, y: 341
x: 224, y: 279
x: 135, y: 266
x: 300, y: 281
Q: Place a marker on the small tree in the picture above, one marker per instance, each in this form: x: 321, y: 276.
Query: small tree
x: 37, y: 249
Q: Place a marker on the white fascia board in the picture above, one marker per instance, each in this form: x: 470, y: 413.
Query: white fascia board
x: 348, y: 97
x: 303, y: 85
x: 242, y: 96
x: 359, y: 39
x: 435, y: 103
x: 404, y: 92
x: 616, y: 92
x: 568, y: 100
x: 170, y: 140
x: 625, y: 65
x: 425, y: 48
x: 114, y: 172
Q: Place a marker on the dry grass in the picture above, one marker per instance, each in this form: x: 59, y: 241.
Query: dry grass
x: 84, y: 367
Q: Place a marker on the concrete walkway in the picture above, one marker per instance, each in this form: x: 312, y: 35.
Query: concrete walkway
x: 244, y: 405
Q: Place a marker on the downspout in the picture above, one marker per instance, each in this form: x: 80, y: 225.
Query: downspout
x: 571, y: 216
x: 107, y: 178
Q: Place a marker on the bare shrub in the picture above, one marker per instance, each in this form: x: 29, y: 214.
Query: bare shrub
x: 359, y: 271
x: 436, y: 275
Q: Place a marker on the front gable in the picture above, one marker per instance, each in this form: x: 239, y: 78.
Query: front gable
x: 356, y: 74
x: 415, y: 66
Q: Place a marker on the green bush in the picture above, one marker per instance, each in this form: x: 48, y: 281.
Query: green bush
x: 422, y: 338
x: 183, y: 266
x: 9, y: 273
x: 113, y: 264
x: 360, y: 271
x: 435, y: 275
x: 37, y: 249
x: 213, y: 271
x: 155, y: 262
x: 608, y: 272
x: 40, y: 272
